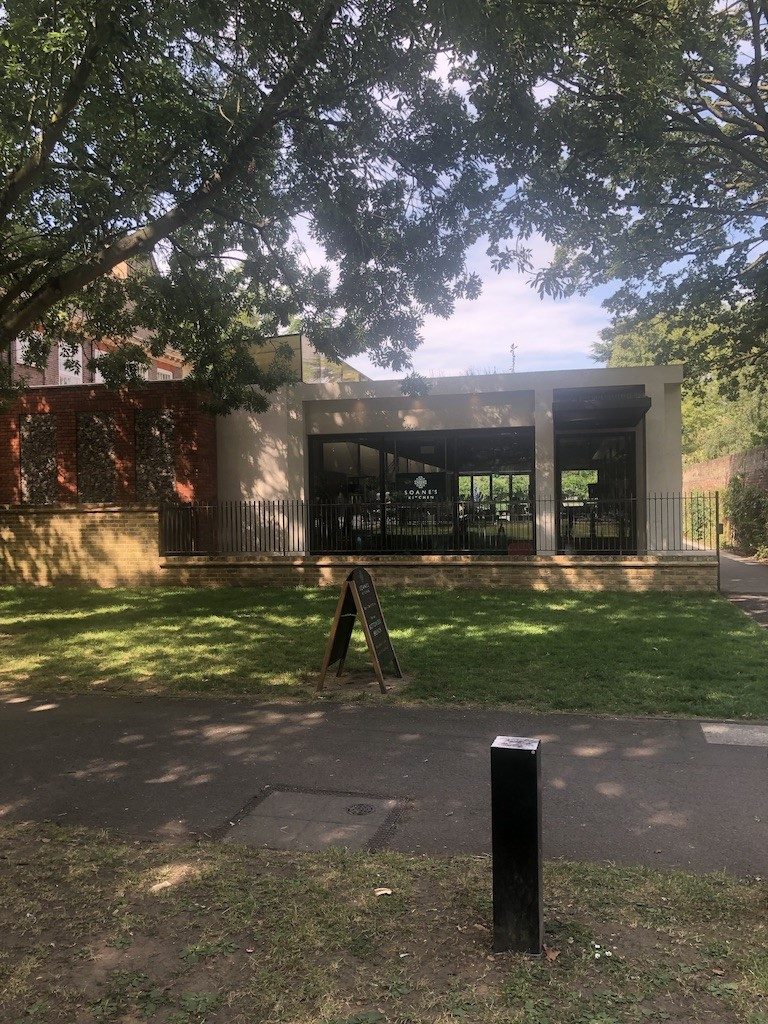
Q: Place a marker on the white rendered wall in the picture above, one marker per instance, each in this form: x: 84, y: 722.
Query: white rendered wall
x: 265, y: 455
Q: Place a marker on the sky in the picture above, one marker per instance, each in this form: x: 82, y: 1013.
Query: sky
x: 548, y: 334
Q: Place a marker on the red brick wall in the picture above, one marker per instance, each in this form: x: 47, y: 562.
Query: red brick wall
x: 716, y: 474
x: 195, y: 436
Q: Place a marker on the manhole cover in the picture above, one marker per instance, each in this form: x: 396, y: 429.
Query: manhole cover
x: 360, y: 809
x: 290, y: 819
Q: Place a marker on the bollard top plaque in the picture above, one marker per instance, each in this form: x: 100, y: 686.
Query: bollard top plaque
x: 516, y: 743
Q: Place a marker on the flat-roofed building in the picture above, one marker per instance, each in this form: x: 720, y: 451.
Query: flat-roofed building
x: 547, y: 462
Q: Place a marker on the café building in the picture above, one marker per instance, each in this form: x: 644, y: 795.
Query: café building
x: 520, y: 464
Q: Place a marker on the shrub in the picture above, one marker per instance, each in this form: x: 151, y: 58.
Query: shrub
x: 746, y: 508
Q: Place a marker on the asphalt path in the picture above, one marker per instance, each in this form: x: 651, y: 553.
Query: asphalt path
x: 650, y: 791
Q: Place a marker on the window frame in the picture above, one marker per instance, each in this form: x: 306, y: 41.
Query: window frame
x: 64, y: 370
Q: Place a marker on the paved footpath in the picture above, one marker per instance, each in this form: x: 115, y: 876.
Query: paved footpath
x: 652, y: 791
x: 744, y: 581
x: 740, y: 575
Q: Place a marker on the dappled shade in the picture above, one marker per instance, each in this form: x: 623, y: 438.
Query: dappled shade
x: 650, y: 653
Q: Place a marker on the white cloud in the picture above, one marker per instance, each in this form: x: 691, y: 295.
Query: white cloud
x: 548, y: 334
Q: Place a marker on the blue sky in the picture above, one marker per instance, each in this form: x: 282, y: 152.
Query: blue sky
x: 549, y: 334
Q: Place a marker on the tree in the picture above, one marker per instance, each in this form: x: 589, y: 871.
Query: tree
x: 651, y: 170
x: 713, y: 424
x: 221, y: 138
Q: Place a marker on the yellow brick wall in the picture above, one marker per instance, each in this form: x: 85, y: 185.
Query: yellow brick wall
x: 105, y: 547
x: 110, y: 547
x: 559, y: 573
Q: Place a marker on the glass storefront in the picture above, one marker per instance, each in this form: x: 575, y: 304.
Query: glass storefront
x: 422, y: 491
x: 479, y: 465
x: 596, y: 492
x: 470, y: 491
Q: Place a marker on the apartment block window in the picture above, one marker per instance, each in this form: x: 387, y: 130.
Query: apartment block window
x: 140, y: 369
x: 98, y: 376
x: 22, y: 352
x: 68, y: 375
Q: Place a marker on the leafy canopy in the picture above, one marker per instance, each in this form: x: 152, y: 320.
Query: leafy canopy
x: 231, y: 140
x: 650, y: 169
x: 713, y: 423
x: 334, y: 161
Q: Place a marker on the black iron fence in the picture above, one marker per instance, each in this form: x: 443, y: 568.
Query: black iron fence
x: 671, y: 523
x: 661, y: 523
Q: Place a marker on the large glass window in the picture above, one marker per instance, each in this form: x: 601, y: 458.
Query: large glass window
x: 496, y: 467
x: 423, y: 491
x: 418, y: 469
x: 596, y: 466
x: 492, y: 465
x: 596, y: 475
x: 505, y: 487
x: 346, y: 471
x: 487, y: 452
x: 71, y: 365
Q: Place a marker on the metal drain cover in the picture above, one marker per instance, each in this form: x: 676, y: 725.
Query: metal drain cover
x: 289, y: 820
x: 360, y: 809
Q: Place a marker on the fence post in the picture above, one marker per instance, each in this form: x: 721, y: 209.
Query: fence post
x: 718, y: 528
x: 160, y: 529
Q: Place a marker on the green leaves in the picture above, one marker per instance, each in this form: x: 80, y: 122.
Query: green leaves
x: 334, y: 162
x: 277, y: 159
x: 649, y: 171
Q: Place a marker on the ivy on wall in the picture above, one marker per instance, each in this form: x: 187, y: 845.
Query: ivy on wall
x: 97, y: 477
x: 155, y: 473
x: 37, y: 459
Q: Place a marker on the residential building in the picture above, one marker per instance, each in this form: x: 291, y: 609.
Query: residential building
x: 65, y: 369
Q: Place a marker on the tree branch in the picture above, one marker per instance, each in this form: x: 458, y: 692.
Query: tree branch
x: 20, y: 179
x: 705, y: 128
x: 144, y: 239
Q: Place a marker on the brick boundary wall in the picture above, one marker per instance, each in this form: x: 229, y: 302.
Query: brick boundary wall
x: 638, y: 574
x: 715, y: 474
x: 96, y: 545
x: 107, y: 546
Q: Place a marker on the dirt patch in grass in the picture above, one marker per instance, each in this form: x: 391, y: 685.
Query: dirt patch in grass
x: 99, y: 930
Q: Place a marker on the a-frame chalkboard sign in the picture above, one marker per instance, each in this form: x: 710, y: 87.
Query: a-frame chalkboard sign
x: 358, y: 597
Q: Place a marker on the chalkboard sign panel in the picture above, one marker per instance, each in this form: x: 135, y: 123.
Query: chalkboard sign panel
x: 341, y: 634
x: 358, y: 597
x: 373, y: 618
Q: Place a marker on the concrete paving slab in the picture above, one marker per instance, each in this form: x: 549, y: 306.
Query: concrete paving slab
x: 312, y: 821
x: 737, y: 735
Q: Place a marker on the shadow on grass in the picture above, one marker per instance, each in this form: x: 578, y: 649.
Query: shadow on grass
x: 620, y: 653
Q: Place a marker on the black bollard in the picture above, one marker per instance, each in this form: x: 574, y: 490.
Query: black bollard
x: 518, y: 923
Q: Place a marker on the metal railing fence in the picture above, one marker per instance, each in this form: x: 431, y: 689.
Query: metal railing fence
x: 664, y: 523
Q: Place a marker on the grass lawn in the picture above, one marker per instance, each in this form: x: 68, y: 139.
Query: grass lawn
x: 618, y: 653
x: 98, y: 930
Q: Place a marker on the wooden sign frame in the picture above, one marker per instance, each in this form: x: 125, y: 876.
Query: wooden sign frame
x: 350, y: 606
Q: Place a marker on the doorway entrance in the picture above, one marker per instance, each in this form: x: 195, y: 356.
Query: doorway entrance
x: 596, y: 492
